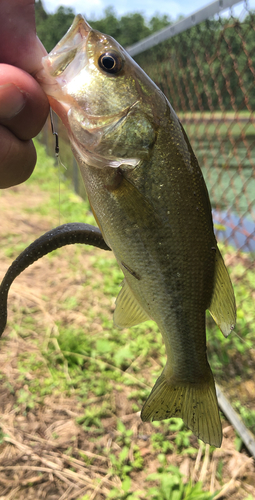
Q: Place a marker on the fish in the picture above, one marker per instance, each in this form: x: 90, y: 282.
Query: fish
x: 150, y: 201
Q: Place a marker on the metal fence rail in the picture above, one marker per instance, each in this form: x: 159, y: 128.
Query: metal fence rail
x: 174, y: 29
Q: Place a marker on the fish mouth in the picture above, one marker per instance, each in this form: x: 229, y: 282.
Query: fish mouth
x: 65, y: 51
x: 53, y: 76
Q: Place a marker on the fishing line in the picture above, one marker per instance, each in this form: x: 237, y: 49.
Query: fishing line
x: 244, y: 341
x: 54, y: 133
x: 58, y: 159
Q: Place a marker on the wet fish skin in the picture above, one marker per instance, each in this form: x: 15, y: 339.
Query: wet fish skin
x: 149, y: 198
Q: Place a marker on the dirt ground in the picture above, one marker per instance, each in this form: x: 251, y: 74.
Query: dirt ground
x: 44, y: 453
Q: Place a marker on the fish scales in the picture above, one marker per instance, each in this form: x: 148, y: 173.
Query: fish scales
x: 172, y: 278
x: 150, y: 200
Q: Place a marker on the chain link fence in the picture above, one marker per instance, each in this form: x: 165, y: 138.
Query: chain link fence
x: 208, y: 74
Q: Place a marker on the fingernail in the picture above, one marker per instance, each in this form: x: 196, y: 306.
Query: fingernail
x: 12, y: 100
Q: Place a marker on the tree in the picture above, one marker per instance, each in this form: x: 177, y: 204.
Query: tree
x: 127, y: 29
x: 52, y: 27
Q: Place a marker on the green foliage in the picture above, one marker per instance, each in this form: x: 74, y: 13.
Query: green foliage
x: 125, y: 493
x: 121, y: 464
x: 248, y: 416
x: 52, y: 27
x: 127, y: 29
x: 125, y: 435
x: 180, y: 438
x: 158, y: 22
x: 2, y: 435
x: 171, y: 487
x: 63, y: 204
x: 160, y: 442
x: 93, y: 416
x: 219, y: 471
x: 203, y: 65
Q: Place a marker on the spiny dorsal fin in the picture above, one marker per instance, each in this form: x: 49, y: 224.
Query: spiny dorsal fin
x: 223, y: 306
x: 128, y: 312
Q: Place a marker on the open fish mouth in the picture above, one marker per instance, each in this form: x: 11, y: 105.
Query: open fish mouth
x: 65, y: 51
x: 56, y: 65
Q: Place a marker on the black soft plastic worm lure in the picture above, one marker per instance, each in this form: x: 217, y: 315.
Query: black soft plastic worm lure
x: 60, y: 236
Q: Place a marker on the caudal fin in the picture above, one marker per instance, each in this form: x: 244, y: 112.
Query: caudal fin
x: 196, y: 404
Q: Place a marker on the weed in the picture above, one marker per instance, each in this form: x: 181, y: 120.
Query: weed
x: 93, y: 416
x: 219, y: 471
x: 171, y: 487
x: 159, y: 442
x: 125, y: 493
x: 125, y: 435
x: 247, y: 415
x: 2, y: 435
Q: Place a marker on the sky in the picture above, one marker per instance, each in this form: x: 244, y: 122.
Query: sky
x: 94, y: 9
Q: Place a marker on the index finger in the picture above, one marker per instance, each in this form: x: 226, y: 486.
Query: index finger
x: 19, y: 44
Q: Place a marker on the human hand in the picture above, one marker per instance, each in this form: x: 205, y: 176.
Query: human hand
x: 23, y: 104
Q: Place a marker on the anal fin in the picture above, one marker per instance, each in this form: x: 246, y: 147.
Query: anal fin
x: 223, y: 306
x: 128, y: 311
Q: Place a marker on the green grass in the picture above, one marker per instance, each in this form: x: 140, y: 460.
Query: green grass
x: 75, y: 362
x: 63, y: 203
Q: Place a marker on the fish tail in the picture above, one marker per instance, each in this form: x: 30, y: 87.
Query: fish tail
x: 195, y: 403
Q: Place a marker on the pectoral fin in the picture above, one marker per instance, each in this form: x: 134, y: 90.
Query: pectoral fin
x: 128, y: 311
x: 223, y: 306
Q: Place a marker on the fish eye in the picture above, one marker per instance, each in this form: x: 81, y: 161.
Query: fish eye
x: 110, y: 62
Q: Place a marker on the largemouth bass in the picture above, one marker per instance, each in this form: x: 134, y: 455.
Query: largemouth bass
x: 151, y: 203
